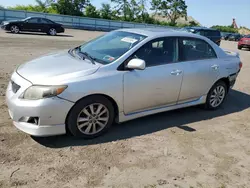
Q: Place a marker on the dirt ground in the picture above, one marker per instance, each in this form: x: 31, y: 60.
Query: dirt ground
x: 184, y: 148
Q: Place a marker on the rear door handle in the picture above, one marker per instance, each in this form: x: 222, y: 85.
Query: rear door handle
x: 176, y: 72
x: 215, y: 67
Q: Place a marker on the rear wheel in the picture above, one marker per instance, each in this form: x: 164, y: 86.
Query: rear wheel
x: 239, y: 47
x: 90, y: 117
x: 14, y: 29
x: 216, y: 96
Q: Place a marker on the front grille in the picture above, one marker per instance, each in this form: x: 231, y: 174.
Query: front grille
x: 15, y: 87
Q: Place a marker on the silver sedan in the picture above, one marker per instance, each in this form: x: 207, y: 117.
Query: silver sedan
x: 122, y: 75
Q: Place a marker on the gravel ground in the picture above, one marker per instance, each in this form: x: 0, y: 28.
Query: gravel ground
x: 184, y: 148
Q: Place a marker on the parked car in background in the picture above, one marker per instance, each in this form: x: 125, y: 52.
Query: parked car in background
x: 33, y: 24
x: 244, y: 42
x: 122, y: 75
x: 227, y: 36
x: 234, y: 37
x: 210, y: 33
x: 224, y: 36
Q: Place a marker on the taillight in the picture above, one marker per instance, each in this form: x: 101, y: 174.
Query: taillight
x: 240, y: 65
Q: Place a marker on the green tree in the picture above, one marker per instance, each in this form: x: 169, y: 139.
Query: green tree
x: 90, y: 11
x: 1, y: 7
x: 122, y: 8
x: 44, y: 5
x: 106, y: 11
x: 133, y: 12
x: 155, y: 5
x: 172, y: 9
x: 70, y: 7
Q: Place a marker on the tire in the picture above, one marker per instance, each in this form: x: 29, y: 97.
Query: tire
x: 14, y: 29
x: 239, y: 47
x: 221, y: 87
x: 88, y: 125
x: 52, y: 32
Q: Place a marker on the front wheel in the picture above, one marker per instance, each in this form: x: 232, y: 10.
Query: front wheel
x: 239, y: 47
x: 14, y: 29
x: 52, y: 32
x: 90, y: 117
x: 216, y: 96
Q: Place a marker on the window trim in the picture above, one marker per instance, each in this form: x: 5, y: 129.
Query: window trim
x: 193, y: 38
x: 122, y: 67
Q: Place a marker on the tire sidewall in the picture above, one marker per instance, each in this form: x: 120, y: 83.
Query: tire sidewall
x: 71, y: 121
x: 208, y: 105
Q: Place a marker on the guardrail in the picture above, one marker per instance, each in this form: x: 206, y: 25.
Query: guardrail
x: 76, y: 21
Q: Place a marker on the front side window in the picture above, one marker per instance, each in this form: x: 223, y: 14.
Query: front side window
x: 109, y: 47
x: 191, y: 49
x: 158, y: 51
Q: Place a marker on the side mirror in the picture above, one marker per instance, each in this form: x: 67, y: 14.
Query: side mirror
x: 137, y: 64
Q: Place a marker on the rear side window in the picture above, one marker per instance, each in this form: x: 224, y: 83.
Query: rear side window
x: 45, y: 21
x: 34, y: 20
x: 191, y: 49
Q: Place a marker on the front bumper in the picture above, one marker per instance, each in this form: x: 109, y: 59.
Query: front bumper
x: 3, y: 27
x: 50, y: 113
x: 242, y: 45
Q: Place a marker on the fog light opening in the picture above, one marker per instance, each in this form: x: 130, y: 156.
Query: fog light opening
x: 32, y: 120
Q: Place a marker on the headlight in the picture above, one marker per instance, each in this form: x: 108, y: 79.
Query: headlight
x: 40, y: 92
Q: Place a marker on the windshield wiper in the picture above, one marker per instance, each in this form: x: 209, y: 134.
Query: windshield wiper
x: 78, y: 50
x: 92, y: 59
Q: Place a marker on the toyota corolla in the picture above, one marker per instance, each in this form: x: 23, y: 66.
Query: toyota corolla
x: 122, y: 75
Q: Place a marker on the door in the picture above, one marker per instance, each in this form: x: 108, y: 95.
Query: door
x: 32, y: 24
x: 159, y: 84
x: 46, y: 25
x: 200, y: 68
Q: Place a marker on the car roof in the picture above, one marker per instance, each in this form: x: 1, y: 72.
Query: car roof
x: 35, y: 17
x: 152, y: 32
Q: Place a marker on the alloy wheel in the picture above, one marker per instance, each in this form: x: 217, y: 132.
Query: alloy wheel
x: 217, y: 96
x: 52, y: 31
x: 93, y: 118
x: 14, y: 29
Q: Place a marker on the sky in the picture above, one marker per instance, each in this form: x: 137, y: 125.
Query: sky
x: 207, y: 12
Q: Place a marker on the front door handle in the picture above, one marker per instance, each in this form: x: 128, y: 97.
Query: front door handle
x: 176, y: 72
x: 215, y: 67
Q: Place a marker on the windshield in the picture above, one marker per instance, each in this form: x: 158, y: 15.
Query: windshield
x: 109, y: 47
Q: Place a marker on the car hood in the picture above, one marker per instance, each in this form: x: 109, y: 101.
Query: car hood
x: 11, y: 21
x: 56, y: 66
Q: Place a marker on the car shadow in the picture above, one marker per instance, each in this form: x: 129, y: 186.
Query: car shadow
x: 235, y: 102
x: 245, y: 49
x: 42, y: 34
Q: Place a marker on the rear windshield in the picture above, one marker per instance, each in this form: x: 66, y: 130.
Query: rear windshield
x: 208, y: 33
x: 204, y: 32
